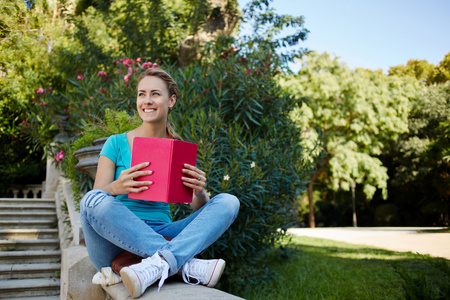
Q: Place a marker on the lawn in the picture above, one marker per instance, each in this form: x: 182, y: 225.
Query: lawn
x: 324, y: 269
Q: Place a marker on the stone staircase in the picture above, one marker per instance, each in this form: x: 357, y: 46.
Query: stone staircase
x: 29, y: 249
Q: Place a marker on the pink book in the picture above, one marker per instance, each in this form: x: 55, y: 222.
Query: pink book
x: 166, y: 157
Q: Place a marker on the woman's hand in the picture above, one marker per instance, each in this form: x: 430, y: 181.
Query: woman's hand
x: 126, y: 182
x: 196, y: 181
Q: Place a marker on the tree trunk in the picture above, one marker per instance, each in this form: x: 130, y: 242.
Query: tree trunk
x: 312, y: 219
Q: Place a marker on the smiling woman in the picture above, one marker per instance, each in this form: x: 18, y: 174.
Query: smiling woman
x: 113, y: 223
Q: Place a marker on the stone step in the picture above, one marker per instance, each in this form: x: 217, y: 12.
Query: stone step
x: 40, y: 244
x: 29, y: 287
x: 27, y: 207
x: 28, y: 234
x: 37, y: 298
x: 26, y: 201
x: 28, y: 224
x: 27, y: 271
x: 30, y: 257
x: 27, y: 215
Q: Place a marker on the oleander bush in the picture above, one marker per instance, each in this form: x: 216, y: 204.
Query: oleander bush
x: 231, y: 106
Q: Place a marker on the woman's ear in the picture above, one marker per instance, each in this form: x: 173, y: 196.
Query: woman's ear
x: 173, y: 100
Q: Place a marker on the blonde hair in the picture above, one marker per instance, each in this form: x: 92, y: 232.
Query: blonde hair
x: 172, y: 87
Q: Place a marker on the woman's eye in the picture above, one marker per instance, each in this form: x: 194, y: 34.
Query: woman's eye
x: 155, y: 94
x: 141, y: 94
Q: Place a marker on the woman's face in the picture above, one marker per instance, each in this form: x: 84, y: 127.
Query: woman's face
x: 153, y: 100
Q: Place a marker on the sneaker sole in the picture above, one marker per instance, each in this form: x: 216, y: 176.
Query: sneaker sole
x: 131, y: 282
x: 217, y: 273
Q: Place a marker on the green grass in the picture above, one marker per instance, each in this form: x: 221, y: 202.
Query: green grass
x: 325, y: 269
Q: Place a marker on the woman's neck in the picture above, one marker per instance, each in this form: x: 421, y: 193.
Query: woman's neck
x: 151, y: 130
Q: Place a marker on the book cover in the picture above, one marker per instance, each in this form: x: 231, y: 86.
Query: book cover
x: 166, y: 157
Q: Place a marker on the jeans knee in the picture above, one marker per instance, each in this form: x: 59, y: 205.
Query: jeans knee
x: 92, y: 199
x: 230, y: 203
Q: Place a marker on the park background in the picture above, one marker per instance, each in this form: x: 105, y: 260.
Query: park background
x: 301, y: 137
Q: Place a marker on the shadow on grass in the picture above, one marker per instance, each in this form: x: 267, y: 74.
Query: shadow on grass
x: 442, y: 230
x: 311, y: 268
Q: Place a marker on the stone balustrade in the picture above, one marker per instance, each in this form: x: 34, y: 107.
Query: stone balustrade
x: 27, y: 190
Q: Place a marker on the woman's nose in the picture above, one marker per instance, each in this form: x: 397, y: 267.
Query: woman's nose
x: 148, y: 99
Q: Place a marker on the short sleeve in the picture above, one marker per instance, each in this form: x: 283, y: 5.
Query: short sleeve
x: 110, y: 149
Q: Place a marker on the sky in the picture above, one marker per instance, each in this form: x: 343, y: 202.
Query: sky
x: 373, y: 34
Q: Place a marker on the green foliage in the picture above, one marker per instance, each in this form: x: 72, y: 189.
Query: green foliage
x: 267, y: 25
x: 91, y: 94
x: 424, y: 71
x: 27, y: 44
x: 342, y: 271
x: 115, y: 122
x: 419, y: 285
x: 420, y: 69
x: 419, y: 160
x: 237, y: 113
x: 357, y: 112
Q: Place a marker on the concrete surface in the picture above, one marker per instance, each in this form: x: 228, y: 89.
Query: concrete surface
x: 172, y: 289
x: 403, y: 239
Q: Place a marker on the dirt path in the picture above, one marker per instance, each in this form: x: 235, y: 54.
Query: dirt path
x: 402, y: 239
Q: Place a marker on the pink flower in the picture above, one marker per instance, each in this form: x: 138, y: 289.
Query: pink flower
x: 127, y: 77
x: 184, y: 80
x: 193, y: 80
x: 155, y: 65
x: 130, y: 70
x: 80, y: 77
x: 226, y: 73
x: 120, y: 71
x: 136, y: 70
x: 101, y: 73
x: 306, y: 130
x: 40, y: 91
x: 139, y: 60
x: 204, y: 90
x: 59, y: 156
x: 147, y: 65
x: 50, y: 89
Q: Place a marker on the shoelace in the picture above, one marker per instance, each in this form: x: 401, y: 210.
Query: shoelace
x: 151, y: 268
x: 109, y: 277
x: 194, y: 270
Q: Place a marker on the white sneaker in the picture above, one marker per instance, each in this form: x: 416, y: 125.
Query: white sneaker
x: 109, y: 277
x: 97, y: 279
x: 205, y: 271
x: 137, y: 278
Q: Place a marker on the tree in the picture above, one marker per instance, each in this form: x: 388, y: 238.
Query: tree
x: 348, y: 116
x: 420, y: 161
x: 424, y: 71
x: 420, y: 69
x: 441, y: 73
x: 28, y: 38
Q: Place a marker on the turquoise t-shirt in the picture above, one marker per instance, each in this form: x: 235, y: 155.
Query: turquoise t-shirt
x: 117, y: 149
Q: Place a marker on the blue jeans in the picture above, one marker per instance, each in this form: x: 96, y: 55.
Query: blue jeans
x: 110, y: 227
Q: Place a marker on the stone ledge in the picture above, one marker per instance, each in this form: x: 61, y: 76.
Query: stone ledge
x: 172, y: 289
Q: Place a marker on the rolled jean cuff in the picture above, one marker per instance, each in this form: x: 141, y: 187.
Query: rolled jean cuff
x: 170, y: 259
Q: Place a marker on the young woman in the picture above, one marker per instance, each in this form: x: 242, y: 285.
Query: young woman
x: 113, y: 223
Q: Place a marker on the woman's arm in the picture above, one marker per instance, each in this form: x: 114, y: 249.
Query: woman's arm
x: 197, y: 182
x: 104, y: 180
